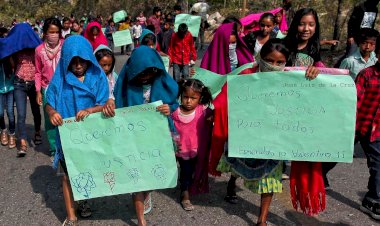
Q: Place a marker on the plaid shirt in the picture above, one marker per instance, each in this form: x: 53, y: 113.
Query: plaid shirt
x: 368, y: 108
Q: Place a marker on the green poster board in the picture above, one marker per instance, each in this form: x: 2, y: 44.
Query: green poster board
x: 130, y: 152
x: 119, y: 16
x: 212, y: 80
x: 281, y: 115
x: 104, y: 30
x: 193, y: 22
x: 166, y: 61
x: 122, y: 38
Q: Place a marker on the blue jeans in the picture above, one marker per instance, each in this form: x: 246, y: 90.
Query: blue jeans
x: 6, y: 100
x: 180, y: 71
x: 22, y: 90
x: 372, y: 151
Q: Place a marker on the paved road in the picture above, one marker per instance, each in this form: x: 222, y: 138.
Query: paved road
x: 31, y: 194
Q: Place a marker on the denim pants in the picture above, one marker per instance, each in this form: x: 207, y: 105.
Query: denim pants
x: 180, y: 71
x: 6, y: 100
x: 372, y: 151
x: 186, y: 172
x: 49, y: 128
x: 22, y: 90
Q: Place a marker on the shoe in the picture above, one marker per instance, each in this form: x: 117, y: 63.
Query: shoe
x: 37, y: 138
x: 4, y: 137
x: 84, y: 209
x: 12, y: 141
x: 370, y: 208
x: 68, y: 222
x: 23, y: 148
x: 186, y: 205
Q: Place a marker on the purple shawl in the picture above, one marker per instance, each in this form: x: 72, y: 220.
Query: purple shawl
x: 216, y: 58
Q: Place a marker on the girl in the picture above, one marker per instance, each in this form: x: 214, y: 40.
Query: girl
x: 94, y: 35
x: 303, y: 39
x: 6, y: 98
x: 20, y: 45
x: 46, y: 57
x: 76, y: 29
x: 306, y: 181
x: 144, y: 79
x: 256, y: 39
x: 193, y: 124
x: 79, y: 87
x: 260, y: 176
x: 148, y: 38
x: 106, y: 60
x: 226, y: 51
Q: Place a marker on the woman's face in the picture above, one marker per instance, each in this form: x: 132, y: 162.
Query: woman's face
x: 306, y: 27
x: 275, y: 58
x: 76, y: 27
x: 53, y: 29
x: 95, y: 31
x: 266, y: 26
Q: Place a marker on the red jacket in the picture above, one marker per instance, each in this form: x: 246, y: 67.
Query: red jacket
x: 181, y: 51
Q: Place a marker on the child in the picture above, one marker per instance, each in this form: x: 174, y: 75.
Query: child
x: 46, y: 57
x: 148, y: 38
x: 256, y: 39
x: 76, y: 29
x: 166, y: 36
x: 6, y: 98
x: 226, y: 51
x: 144, y: 79
x: 78, y: 88
x: 193, y: 124
x: 364, y: 56
x: 94, y: 35
x: 303, y: 39
x: 66, y: 23
x: 137, y: 30
x: 110, y: 29
x: 304, y: 45
x: 367, y: 131
x: 106, y: 60
x: 182, y: 52
x: 20, y: 45
x: 260, y: 175
x: 124, y: 25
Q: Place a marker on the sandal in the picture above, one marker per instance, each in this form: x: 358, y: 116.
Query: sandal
x: 84, y: 209
x: 186, y: 205
x: 68, y: 222
x: 37, y: 138
x: 148, y: 203
x: 23, y: 148
x: 233, y: 199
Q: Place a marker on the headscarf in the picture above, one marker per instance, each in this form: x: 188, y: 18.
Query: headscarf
x: 163, y: 86
x: 20, y: 37
x: 216, y: 58
x: 255, y: 17
x: 66, y: 94
x: 100, y: 39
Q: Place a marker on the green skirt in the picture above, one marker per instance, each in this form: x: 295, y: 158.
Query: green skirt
x: 272, y: 183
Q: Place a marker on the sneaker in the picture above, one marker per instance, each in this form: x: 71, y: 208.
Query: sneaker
x: 4, y: 137
x: 370, y: 208
x: 84, y: 209
x: 12, y: 141
x: 68, y: 222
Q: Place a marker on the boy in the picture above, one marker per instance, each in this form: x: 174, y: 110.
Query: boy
x: 182, y: 52
x: 368, y: 131
x: 364, y: 56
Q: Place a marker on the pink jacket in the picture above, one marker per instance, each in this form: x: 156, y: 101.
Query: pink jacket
x: 45, y: 67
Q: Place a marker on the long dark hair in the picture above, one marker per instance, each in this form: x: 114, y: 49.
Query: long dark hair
x: 274, y: 44
x: 103, y: 53
x: 52, y: 21
x: 291, y: 39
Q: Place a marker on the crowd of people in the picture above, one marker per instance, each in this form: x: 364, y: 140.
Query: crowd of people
x: 68, y: 67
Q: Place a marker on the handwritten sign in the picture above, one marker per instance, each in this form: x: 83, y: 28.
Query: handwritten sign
x: 211, y: 80
x: 130, y: 152
x: 193, y: 23
x: 166, y: 61
x: 119, y: 16
x: 122, y: 38
x: 280, y: 115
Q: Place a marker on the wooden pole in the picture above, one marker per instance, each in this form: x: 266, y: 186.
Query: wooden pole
x: 244, y: 7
